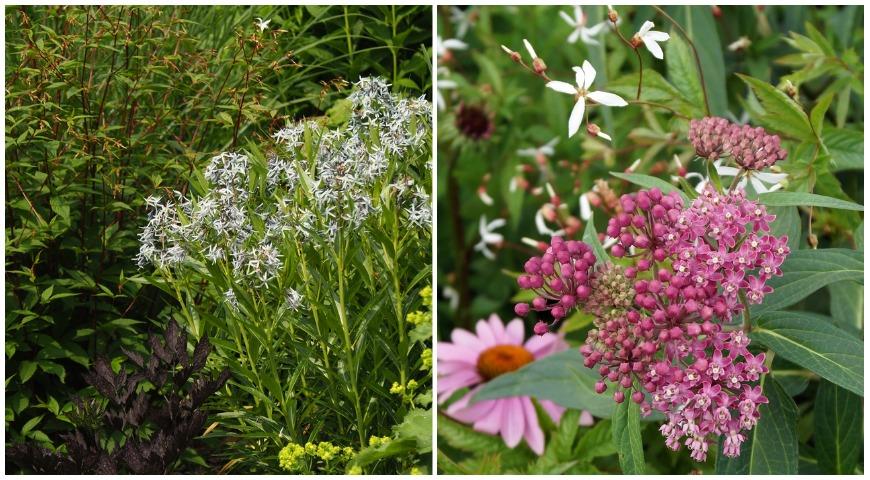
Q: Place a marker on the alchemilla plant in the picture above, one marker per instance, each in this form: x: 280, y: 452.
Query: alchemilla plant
x: 691, y: 335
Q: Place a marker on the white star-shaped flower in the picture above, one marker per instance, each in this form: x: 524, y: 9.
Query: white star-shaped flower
x: 546, y: 150
x: 650, y: 39
x: 580, y: 30
x: 488, y: 236
x: 584, y: 78
x: 461, y: 19
x: 443, y: 84
x: 443, y: 47
x: 262, y: 24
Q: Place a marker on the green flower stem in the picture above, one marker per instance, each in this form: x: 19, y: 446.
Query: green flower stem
x: 348, y: 345
x: 397, y: 303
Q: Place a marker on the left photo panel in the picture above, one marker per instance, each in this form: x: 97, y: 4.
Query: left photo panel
x: 218, y: 240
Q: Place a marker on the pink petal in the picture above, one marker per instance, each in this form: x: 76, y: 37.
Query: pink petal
x: 513, y: 421
x: 491, y: 423
x: 553, y: 409
x: 451, y: 383
x: 534, y: 435
x: 485, y: 333
x: 543, y: 345
x: 515, y: 332
x: 466, y: 339
x: 470, y: 414
x: 586, y: 419
x: 449, y: 367
x: 497, y: 328
x: 456, y: 353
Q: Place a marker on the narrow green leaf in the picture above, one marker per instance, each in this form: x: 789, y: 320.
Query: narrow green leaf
x: 560, y: 377
x: 847, y: 305
x: 817, y: 114
x: 650, y: 182
x: 626, y: 437
x: 31, y: 424
x: 779, y: 199
x: 782, y: 114
x: 821, y: 347
x: 590, y: 236
x: 837, y: 417
x: 655, y: 90
x: 805, y: 271
x: 26, y: 370
x: 771, y: 447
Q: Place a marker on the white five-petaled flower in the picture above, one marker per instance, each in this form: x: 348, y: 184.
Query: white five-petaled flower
x: 758, y: 180
x: 546, y: 150
x: 443, y: 47
x: 584, y: 78
x: 262, y: 24
x: 461, y: 19
x: 650, y: 39
x: 488, y: 236
x: 580, y: 30
x: 443, y: 84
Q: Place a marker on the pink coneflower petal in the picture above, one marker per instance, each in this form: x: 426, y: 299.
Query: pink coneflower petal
x: 555, y: 411
x: 533, y: 433
x: 448, y: 367
x: 470, y: 414
x: 586, y: 419
x: 485, y: 334
x: 513, y: 420
x: 491, y: 423
x: 514, y: 333
x: 497, y: 328
x: 450, y: 383
x: 543, y: 345
x: 468, y: 340
x: 455, y: 353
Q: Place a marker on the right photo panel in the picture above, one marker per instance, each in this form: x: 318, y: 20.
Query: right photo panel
x: 650, y: 239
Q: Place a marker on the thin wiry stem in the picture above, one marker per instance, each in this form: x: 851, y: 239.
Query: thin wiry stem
x: 694, y: 52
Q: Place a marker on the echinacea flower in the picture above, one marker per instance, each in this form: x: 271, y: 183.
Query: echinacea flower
x: 584, y: 77
x: 581, y: 31
x: 472, y: 359
x: 488, y: 236
x: 650, y: 39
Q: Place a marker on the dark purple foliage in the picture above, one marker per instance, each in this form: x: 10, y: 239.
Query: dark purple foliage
x: 158, y: 424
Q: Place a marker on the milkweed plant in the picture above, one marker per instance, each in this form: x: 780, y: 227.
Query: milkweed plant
x: 306, y: 261
x: 678, y: 308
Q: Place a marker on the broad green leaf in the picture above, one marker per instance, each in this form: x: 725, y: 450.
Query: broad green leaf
x: 26, y: 370
x: 560, y: 377
x: 597, y: 442
x: 626, y: 437
x: 31, y: 424
x: 702, y: 29
x: 650, y: 182
x: 847, y: 305
x: 821, y: 347
x: 838, y: 437
x: 417, y: 425
x: 788, y: 223
x: 655, y: 90
x: 805, y: 271
x: 780, y: 199
x: 682, y: 69
x: 782, y: 114
x: 846, y: 148
x: 772, y: 446
x: 590, y: 236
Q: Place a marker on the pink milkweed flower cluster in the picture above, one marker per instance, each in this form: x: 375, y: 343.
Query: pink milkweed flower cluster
x: 559, y: 278
x: 658, y: 329
x: 751, y: 147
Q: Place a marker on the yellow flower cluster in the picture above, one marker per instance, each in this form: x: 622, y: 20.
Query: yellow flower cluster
x: 419, y: 318
x: 397, y: 389
x: 289, y: 457
x: 426, y: 293
x: 426, y: 356
x: 354, y: 470
x: 416, y: 471
x: 376, y: 441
